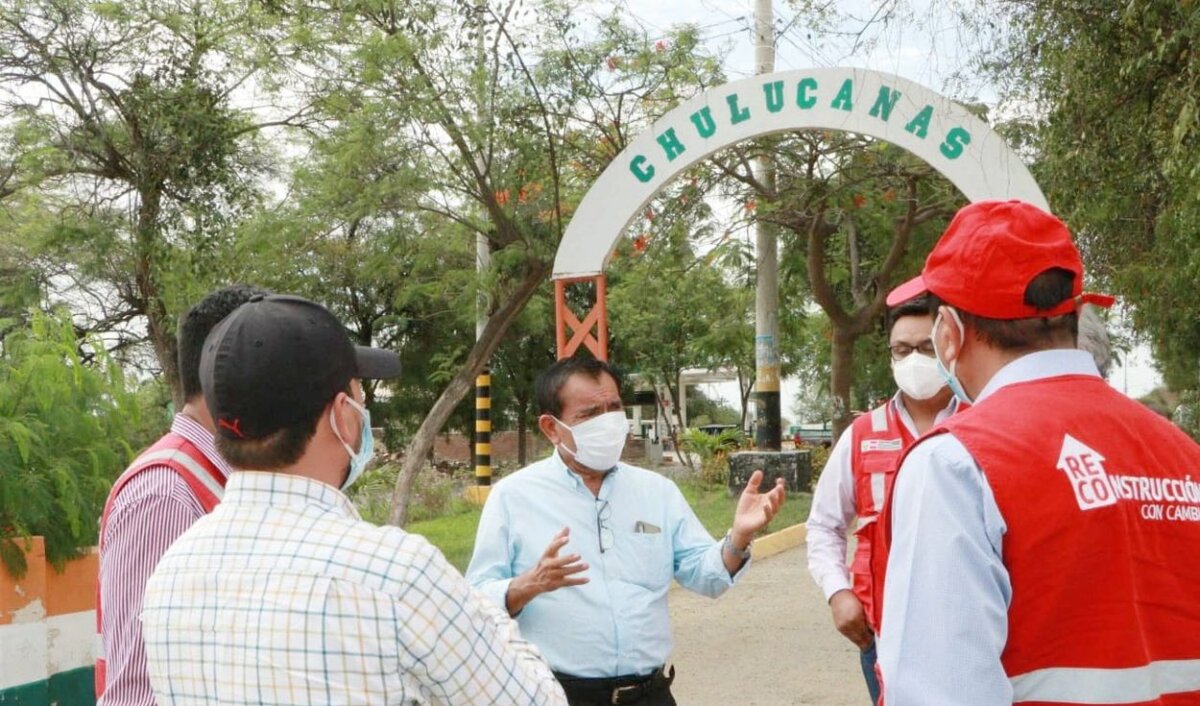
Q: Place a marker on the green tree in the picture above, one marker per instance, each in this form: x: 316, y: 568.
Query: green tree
x: 855, y: 216
x: 527, y: 349
x: 66, y: 430
x: 505, y: 113
x: 665, y: 303
x: 123, y: 124
x: 1107, y: 94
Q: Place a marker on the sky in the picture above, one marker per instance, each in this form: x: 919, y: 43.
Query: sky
x: 924, y: 42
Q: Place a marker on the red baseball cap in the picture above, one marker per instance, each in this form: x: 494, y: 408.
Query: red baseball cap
x: 989, y: 254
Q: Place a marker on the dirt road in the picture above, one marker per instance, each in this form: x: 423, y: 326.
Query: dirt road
x: 767, y: 642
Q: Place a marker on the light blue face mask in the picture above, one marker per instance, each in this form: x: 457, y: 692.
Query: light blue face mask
x: 948, y: 374
x: 366, y: 444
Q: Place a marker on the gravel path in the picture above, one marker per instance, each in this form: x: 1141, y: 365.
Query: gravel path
x: 769, y: 641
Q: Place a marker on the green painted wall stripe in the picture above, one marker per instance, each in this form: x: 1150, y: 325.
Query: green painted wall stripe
x: 75, y: 687
x: 33, y: 694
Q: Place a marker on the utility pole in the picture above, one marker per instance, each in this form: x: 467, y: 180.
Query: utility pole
x: 481, y: 445
x: 483, y: 382
x: 767, y: 434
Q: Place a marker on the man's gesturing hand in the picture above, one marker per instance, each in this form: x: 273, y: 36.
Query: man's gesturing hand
x: 551, y: 573
x: 755, y: 510
x: 849, y: 618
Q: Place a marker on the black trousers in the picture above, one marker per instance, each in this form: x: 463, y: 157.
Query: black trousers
x: 654, y: 690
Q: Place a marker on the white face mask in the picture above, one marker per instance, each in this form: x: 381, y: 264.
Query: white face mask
x: 598, y: 441
x: 917, y: 376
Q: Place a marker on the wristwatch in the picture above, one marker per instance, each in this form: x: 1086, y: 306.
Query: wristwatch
x: 739, y: 553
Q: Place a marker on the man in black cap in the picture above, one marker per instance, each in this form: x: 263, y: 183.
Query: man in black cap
x: 283, y: 595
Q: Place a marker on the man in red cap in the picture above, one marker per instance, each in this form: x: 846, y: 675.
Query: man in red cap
x: 1043, y: 543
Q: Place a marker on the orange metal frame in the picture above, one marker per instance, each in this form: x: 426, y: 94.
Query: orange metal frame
x: 581, y: 331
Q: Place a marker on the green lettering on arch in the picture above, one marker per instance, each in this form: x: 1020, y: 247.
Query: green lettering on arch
x: 703, y: 120
x: 774, y: 94
x: 737, y: 114
x: 671, y: 145
x: 956, y: 140
x: 844, y: 98
x: 884, y: 103
x: 644, y: 172
x: 919, y: 125
x: 804, y: 100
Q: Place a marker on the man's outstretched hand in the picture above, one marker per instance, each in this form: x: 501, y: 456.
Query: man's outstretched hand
x: 755, y: 510
x: 551, y: 573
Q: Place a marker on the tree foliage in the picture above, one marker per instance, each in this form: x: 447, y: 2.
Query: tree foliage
x: 505, y: 112
x: 671, y: 308
x: 1107, y: 94
x: 66, y: 430
x: 123, y: 132
x: 855, y: 217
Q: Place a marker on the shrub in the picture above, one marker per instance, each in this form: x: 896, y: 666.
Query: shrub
x: 818, y: 455
x: 1187, y: 414
x: 436, y: 491
x: 713, y: 450
x: 65, y: 435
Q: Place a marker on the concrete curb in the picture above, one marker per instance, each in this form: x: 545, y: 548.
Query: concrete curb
x: 781, y: 541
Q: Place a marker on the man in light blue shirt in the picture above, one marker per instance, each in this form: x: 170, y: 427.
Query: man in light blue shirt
x: 581, y: 548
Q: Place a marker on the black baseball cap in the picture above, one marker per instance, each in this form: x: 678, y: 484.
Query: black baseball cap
x: 278, y: 359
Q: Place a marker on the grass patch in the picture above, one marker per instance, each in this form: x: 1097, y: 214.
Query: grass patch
x: 454, y: 531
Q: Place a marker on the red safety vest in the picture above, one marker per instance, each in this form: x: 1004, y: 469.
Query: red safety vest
x: 202, y: 477
x: 1103, y: 533
x: 877, y: 440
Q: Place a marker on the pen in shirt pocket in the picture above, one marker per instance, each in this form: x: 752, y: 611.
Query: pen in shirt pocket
x: 641, y: 527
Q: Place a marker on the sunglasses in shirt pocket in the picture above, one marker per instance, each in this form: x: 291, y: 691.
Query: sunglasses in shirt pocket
x: 645, y: 555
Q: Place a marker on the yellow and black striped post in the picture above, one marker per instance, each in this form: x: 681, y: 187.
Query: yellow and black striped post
x: 483, y: 438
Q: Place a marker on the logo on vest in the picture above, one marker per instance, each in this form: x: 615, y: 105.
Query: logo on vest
x: 869, y: 445
x: 1084, y: 467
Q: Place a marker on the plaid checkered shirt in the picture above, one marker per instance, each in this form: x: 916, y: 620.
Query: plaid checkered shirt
x: 283, y: 595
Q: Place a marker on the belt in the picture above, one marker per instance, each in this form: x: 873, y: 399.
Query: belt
x: 627, y: 689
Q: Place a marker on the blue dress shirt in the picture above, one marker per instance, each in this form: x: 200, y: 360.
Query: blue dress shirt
x: 616, y: 624
x: 946, y: 598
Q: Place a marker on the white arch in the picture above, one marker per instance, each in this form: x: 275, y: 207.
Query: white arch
x: 941, y: 132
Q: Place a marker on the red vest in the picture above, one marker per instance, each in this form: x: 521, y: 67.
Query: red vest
x: 1102, y: 543
x: 877, y: 440
x: 202, y: 477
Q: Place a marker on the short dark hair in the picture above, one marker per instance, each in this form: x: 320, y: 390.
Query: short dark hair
x: 1044, y: 292
x: 279, y: 449
x: 195, y: 325
x: 551, y: 380
x: 917, y: 306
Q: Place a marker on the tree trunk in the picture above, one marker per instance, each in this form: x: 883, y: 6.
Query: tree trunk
x: 458, y: 388
x: 745, y: 389
x: 842, y: 368
x: 673, y: 429
x: 158, y: 325
x: 522, y: 429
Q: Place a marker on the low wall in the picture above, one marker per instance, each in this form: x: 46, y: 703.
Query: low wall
x: 47, y: 631
x: 457, y: 447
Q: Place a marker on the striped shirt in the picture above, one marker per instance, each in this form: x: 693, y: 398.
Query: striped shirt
x: 149, y: 513
x: 284, y: 596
